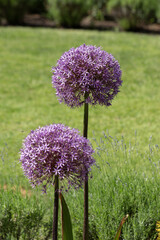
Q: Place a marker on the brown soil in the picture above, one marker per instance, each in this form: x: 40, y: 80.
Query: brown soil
x: 22, y: 190
x: 36, y: 20
x: 112, y: 25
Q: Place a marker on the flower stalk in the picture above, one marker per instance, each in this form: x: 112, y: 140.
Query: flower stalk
x: 55, y: 212
x: 85, y: 134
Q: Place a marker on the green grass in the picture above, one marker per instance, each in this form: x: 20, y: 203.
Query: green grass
x: 27, y: 100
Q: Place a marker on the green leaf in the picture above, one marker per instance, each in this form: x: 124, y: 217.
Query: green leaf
x: 66, y: 220
x: 120, y: 227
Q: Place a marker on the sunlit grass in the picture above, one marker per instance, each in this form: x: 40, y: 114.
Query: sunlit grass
x: 28, y: 99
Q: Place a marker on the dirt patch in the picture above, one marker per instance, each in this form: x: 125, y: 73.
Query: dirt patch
x: 36, y: 20
x: 22, y: 190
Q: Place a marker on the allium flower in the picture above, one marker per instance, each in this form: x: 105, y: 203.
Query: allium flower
x: 56, y: 150
x: 90, y: 70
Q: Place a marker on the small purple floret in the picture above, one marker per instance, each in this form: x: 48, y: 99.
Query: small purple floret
x: 86, y: 69
x: 56, y: 150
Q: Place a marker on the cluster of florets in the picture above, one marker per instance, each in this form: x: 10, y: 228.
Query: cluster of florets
x: 86, y: 74
x: 56, y: 150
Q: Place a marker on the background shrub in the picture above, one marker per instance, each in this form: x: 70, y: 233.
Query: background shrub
x: 37, y: 6
x: 68, y: 13
x: 98, y: 9
x: 13, y: 10
x: 131, y: 13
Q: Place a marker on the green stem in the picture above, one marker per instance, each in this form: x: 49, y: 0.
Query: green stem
x: 85, y: 133
x: 55, y: 213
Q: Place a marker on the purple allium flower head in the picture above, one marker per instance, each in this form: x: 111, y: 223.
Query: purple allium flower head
x: 56, y: 150
x: 86, y: 69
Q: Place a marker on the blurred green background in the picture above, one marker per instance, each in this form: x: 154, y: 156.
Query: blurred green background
x: 129, y: 14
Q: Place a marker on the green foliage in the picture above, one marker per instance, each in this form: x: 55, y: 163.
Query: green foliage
x: 98, y: 9
x: 134, y: 12
x: 68, y: 13
x: 120, y: 187
x: 21, y: 217
x: 13, y: 10
x: 66, y: 220
x: 37, y: 6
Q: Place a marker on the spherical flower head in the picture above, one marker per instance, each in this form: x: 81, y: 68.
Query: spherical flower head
x: 86, y: 74
x: 56, y: 150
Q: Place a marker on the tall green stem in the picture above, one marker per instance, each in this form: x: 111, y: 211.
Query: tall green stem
x: 85, y: 133
x: 55, y: 213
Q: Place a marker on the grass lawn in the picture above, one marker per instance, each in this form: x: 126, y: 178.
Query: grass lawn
x: 27, y: 99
